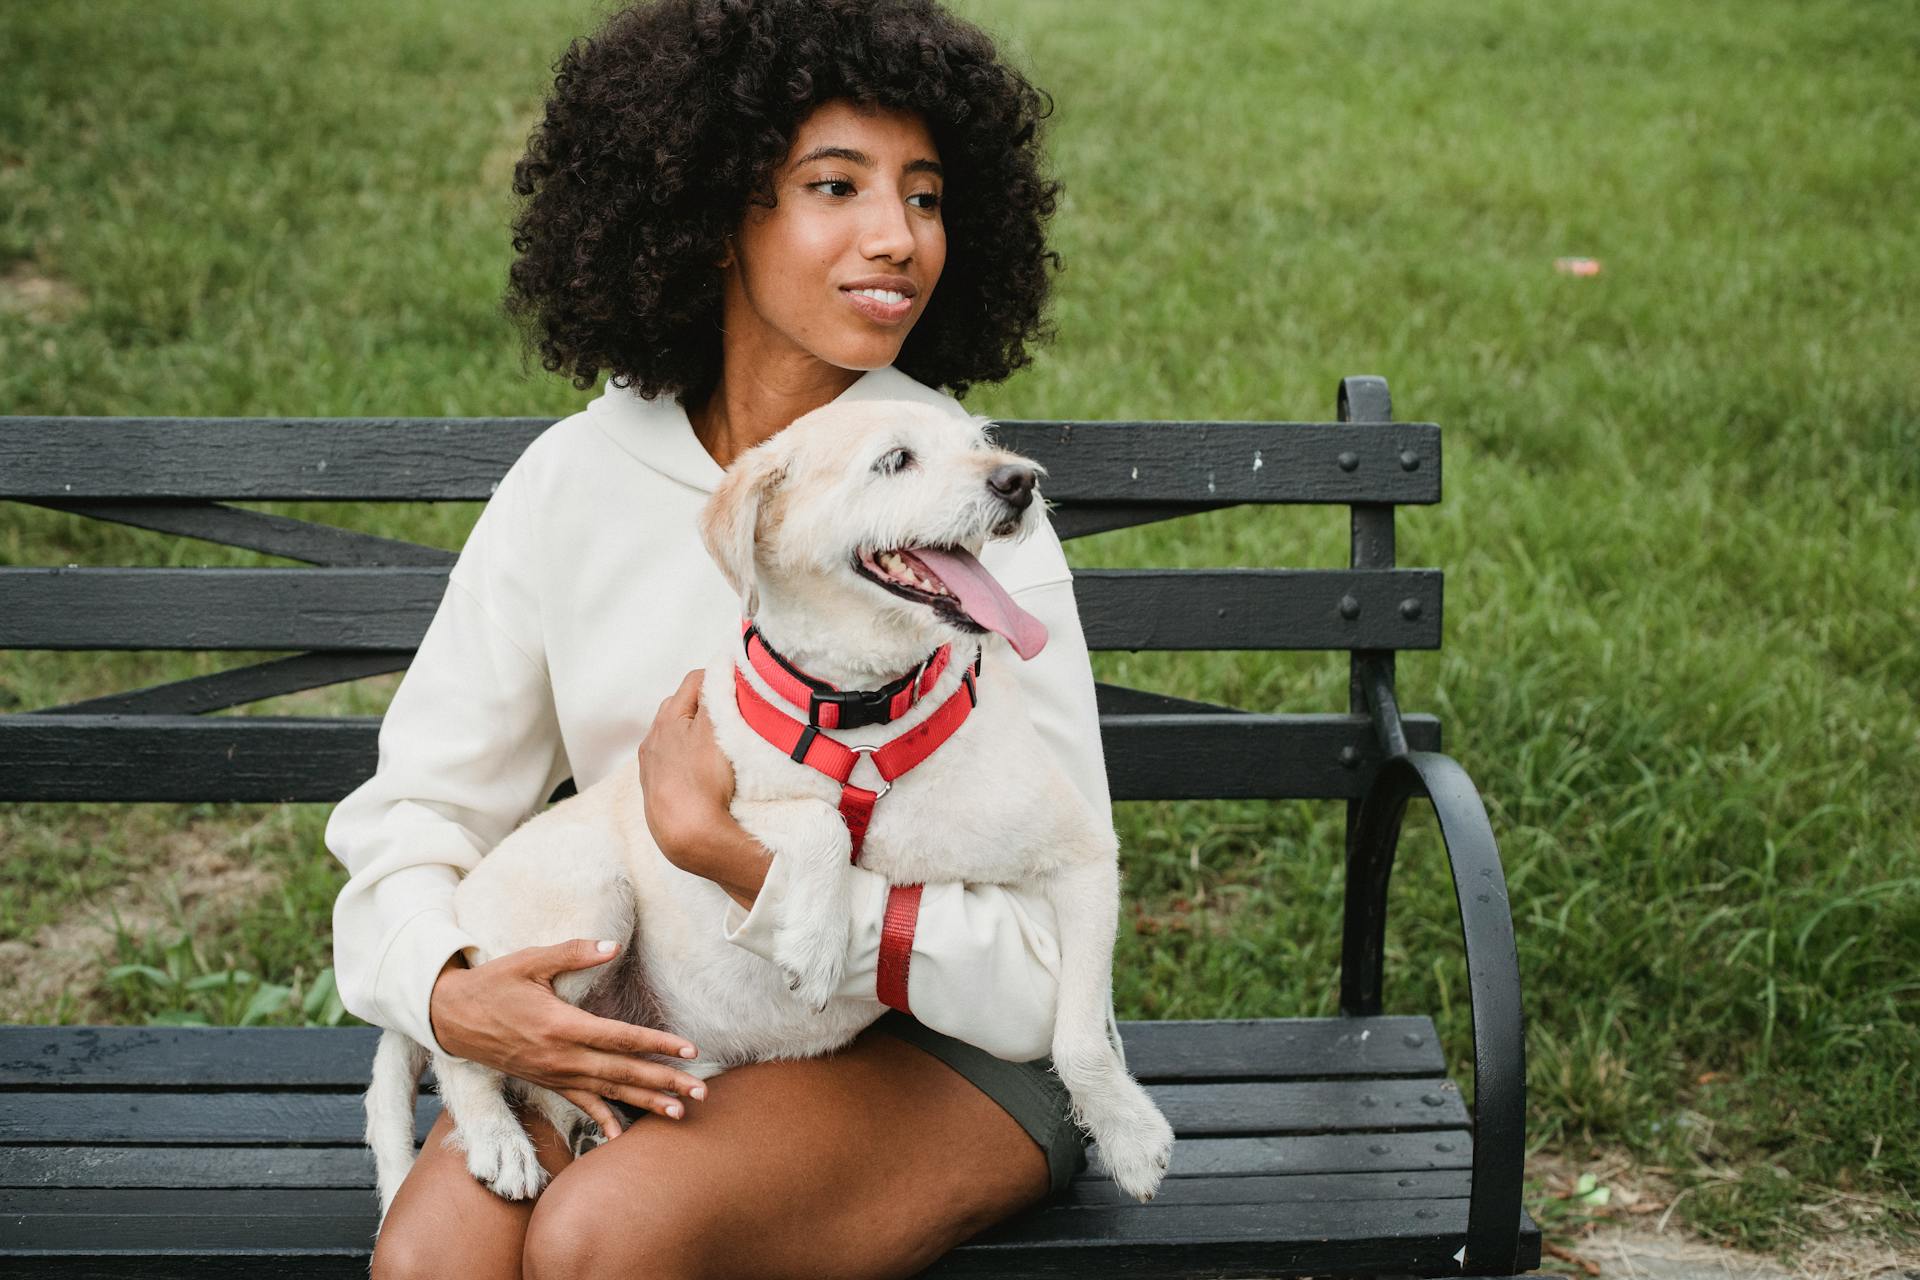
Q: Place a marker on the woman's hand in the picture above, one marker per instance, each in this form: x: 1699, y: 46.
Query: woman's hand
x: 506, y: 1015
x: 687, y: 783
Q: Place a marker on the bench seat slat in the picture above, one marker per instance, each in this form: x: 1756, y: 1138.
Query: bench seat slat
x: 456, y: 459
x: 352, y: 1165
x: 355, y: 608
x: 1084, y: 1192
x: 237, y: 1117
x: 1282, y: 1234
x: 317, y: 760
x: 265, y: 1058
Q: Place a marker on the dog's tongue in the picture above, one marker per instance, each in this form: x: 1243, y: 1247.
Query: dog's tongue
x: 984, y: 600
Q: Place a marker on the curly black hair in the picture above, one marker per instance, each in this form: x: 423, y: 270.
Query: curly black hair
x: 666, y: 123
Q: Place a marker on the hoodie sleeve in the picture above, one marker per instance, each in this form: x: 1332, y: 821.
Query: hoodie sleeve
x: 468, y: 749
x: 985, y: 962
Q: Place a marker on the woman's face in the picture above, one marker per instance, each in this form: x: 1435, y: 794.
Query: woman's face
x: 858, y: 209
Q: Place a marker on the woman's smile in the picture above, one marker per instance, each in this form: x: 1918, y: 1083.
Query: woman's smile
x: 890, y: 303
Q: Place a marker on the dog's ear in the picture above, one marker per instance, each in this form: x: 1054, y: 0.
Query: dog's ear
x: 731, y: 519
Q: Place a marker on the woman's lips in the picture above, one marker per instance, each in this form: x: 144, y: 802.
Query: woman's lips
x: 877, y: 311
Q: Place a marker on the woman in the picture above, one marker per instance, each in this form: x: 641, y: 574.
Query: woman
x: 743, y: 211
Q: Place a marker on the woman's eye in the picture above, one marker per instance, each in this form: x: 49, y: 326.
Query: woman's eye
x: 893, y: 460
x: 932, y: 198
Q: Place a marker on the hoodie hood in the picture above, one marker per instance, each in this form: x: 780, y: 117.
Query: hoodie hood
x: 659, y: 433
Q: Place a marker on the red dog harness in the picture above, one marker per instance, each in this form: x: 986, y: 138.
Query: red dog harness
x: 802, y: 741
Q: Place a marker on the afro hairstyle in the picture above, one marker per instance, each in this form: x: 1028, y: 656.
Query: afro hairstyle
x: 670, y: 119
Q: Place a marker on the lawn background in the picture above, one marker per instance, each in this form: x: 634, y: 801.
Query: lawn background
x: 1679, y: 528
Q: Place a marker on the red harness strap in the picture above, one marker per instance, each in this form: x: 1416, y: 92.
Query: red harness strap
x: 806, y: 744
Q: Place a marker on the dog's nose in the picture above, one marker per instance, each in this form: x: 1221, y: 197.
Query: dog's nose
x: 1014, y: 483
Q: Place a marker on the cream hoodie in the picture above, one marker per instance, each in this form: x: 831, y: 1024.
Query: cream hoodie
x: 581, y: 598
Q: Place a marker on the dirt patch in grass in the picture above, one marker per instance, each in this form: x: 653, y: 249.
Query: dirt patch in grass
x: 1640, y: 1229
x: 25, y: 290
x: 204, y: 870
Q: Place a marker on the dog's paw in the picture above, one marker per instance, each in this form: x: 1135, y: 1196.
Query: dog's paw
x: 811, y: 969
x: 814, y: 990
x: 1136, y: 1146
x: 586, y: 1138
x: 504, y: 1159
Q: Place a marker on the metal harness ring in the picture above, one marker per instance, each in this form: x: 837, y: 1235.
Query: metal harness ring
x: 886, y: 784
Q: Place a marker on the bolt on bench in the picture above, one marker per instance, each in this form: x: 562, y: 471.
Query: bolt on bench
x: 1307, y: 1146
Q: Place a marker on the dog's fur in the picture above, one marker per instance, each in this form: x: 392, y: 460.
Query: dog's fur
x: 989, y: 806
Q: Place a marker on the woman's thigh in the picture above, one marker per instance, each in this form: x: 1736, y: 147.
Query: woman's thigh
x: 871, y: 1162
x: 444, y: 1222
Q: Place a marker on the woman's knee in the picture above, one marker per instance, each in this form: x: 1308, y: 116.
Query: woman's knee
x: 585, y: 1226
x: 444, y: 1222
x: 404, y: 1252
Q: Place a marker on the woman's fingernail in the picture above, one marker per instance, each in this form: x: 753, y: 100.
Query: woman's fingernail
x: 698, y: 1091
x: 673, y: 1109
x: 688, y: 1051
x: 607, y: 948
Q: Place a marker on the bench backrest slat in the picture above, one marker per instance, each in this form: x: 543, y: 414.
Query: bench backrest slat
x: 390, y: 608
x: 289, y: 759
x: 453, y: 459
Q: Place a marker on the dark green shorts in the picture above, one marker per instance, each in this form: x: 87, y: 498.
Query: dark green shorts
x: 1030, y: 1092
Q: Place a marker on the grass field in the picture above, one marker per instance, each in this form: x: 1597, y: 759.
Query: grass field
x: 1680, y: 529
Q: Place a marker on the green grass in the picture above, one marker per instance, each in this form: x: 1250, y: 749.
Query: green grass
x: 1680, y: 527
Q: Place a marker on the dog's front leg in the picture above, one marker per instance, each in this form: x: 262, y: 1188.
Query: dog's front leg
x: 811, y: 840
x: 499, y: 1152
x: 1136, y: 1142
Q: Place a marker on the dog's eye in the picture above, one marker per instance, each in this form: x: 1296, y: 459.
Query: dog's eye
x: 893, y: 460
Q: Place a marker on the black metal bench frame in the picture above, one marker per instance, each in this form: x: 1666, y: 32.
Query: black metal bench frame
x: 1308, y: 1146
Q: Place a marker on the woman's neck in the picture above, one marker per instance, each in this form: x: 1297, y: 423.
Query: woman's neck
x: 747, y: 408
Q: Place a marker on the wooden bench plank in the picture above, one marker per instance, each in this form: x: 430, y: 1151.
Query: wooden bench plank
x: 1279, y: 1234
x: 1430, y: 1184
x: 1279, y: 1048
x: 186, y: 1166
x: 390, y: 607
x: 1310, y: 1106
x: 1263, y: 1240
x: 1315, y: 1153
x: 318, y: 760
x: 454, y: 459
x: 239, y: 1117
x: 125, y: 1058
x: 281, y: 1201
x: 344, y: 1263
x: 351, y: 1165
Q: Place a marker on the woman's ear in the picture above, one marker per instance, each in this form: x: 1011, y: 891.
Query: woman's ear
x: 730, y: 521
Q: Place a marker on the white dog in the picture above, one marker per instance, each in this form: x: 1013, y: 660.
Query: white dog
x: 851, y: 536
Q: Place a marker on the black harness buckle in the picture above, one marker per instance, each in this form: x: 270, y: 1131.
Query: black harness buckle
x: 858, y: 707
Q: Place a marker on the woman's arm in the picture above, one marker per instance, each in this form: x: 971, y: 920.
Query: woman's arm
x: 469, y: 748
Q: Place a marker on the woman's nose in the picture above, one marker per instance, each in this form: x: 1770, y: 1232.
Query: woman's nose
x: 886, y: 233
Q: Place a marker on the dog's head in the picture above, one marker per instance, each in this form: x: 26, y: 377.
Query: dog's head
x: 872, y: 514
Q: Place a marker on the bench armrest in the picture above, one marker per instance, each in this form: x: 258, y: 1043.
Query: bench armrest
x: 1493, y: 974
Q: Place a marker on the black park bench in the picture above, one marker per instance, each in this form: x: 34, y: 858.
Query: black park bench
x: 1307, y: 1146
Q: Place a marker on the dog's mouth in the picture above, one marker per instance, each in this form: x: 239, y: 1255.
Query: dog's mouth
x: 955, y: 586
